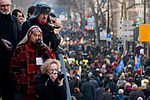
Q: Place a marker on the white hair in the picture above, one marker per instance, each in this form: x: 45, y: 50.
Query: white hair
x: 143, y: 85
x: 139, y: 98
x: 120, y: 91
x: 5, y: 2
x: 134, y: 86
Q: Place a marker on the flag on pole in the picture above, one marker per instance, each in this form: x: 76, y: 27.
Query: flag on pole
x: 138, y: 63
x: 102, y: 3
x: 82, y: 40
x: 120, y: 67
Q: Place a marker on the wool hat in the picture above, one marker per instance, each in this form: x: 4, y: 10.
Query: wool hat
x: 130, y: 79
x: 30, y: 31
x: 33, y: 29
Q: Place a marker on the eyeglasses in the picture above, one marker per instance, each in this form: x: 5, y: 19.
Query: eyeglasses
x: 8, y: 5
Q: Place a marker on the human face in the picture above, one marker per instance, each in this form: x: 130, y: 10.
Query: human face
x: 22, y: 20
x: 52, y: 69
x: 53, y: 20
x: 43, y: 17
x: 19, y: 17
x: 5, y: 6
x: 35, y: 35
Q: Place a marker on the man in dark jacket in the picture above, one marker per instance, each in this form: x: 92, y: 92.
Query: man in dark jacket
x: 87, y: 89
x: 135, y: 93
x: 41, y: 18
x: 9, y: 38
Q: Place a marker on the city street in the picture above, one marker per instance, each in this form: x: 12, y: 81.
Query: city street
x: 101, y: 48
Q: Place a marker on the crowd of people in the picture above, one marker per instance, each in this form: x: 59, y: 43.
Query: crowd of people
x: 92, y: 71
x: 29, y: 50
x: 30, y: 65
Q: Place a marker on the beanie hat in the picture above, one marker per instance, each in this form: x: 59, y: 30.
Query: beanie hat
x: 33, y: 29
x: 30, y: 31
x: 130, y: 79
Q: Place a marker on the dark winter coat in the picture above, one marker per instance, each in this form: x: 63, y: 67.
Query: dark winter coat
x: 45, y: 89
x: 79, y: 96
x: 9, y: 30
x: 88, y: 91
x: 127, y: 91
x: 134, y: 94
x: 99, y: 92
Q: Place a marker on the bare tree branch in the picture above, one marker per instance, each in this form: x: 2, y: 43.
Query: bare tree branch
x: 132, y: 5
x: 118, y: 1
x: 91, y: 4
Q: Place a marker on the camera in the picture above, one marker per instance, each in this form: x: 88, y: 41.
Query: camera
x: 53, y: 26
x: 39, y: 43
x: 60, y: 75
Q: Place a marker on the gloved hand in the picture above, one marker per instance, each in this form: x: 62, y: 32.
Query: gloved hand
x: 7, y: 44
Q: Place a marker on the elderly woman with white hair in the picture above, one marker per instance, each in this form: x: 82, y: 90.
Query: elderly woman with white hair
x: 120, y: 95
x: 28, y: 56
x: 49, y: 82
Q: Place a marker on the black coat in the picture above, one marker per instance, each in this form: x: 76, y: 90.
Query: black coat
x: 9, y: 30
x: 45, y: 89
x: 49, y: 37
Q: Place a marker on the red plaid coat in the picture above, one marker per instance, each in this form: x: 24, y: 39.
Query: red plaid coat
x: 23, y: 65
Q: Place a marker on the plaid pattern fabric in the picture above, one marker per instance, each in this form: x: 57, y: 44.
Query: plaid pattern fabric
x: 23, y: 65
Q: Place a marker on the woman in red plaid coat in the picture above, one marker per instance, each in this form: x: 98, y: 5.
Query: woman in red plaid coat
x: 28, y: 56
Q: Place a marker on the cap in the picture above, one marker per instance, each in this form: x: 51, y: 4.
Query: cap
x: 40, y: 8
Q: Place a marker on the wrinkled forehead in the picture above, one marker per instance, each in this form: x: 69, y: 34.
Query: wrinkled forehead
x: 3, y: 2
